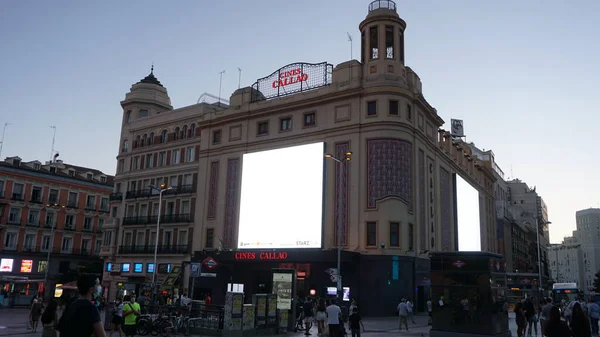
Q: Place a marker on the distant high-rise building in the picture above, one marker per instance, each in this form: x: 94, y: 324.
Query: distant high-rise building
x: 588, y: 234
x: 565, y: 261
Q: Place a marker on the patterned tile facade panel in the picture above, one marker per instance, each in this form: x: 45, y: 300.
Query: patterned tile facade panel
x: 446, y: 208
x: 389, y: 170
x: 422, y: 201
x: 231, y: 202
x: 341, y: 194
x: 212, y: 192
x: 431, y: 196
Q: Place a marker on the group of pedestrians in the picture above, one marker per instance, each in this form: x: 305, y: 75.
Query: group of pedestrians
x: 576, y: 319
x: 405, y: 312
x: 329, y: 319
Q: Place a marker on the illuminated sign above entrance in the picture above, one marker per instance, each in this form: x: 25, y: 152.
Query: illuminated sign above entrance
x: 261, y: 256
x: 291, y: 79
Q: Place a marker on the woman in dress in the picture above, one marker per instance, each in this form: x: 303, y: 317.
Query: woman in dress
x: 50, y: 320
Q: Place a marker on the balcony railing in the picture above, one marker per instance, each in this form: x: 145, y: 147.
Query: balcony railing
x: 13, y: 222
x: 115, y: 197
x: 145, y: 193
x: 90, y: 207
x: 18, y: 197
x: 69, y: 228
x: 36, y: 199
x: 167, y: 218
x: 33, y: 224
x: 72, y: 204
x: 40, y: 250
x: 149, y: 249
x: 138, y: 194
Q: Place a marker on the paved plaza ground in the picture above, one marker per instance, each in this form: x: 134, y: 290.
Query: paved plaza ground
x: 13, y: 322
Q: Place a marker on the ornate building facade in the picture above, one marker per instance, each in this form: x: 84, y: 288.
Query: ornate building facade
x: 395, y: 200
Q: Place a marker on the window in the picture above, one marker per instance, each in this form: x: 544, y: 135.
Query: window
x: 401, y: 45
x: 310, y: 119
x: 210, y: 232
x: 29, y: 243
x: 394, y: 234
x: 175, y: 157
x: 1, y: 189
x: 127, y: 239
x: 88, y: 223
x: 72, y: 200
x: 182, y: 239
x: 17, y: 192
x: 36, y: 194
x: 262, y: 128
x: 14, y: 215
x: 167, y: 238
x: 52, y: 169
x: 107, y: 238
x: 371, y: 234
x: 185, y: 207
x: 120, y: 166
x: 67, y: 244
x: 184, y: 131
x: 187, y: 179
x: 162, y: 159
x: 177, y: 133
x: 285, y: 124
x: 163, y: 136
x: 408, y: 112
x: 373, y: 42
x: 189, y: 154
x: 100, y: 224
x: 128, y: 116
x: 393, y: 108
x: 144, y: 140
x: 69, y: 221
x: 143, y: 113
x: 91, y: 202
x: 216, y: 137
x: 114, y: 212
x: 372, y: 108
x: 97, y: 247
x: 389, y: 42
x: 53, y: 196
x: 140, y: 238
x: 363, y: 39
x: 89, y: 176
x: 193, y: 130
x: 136, y: 163
x: 49, y: 219
x: 125, y: 147
x: 86, y: 245
x: 151, y: 139
x: 104, y: 204
x: 152, y: 239
x: 10, y: 241
x: 149, y: 160
x: 42, y: 266
x: 33, y: 217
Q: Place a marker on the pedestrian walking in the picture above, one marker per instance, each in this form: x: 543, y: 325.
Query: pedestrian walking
x: 402, y: 314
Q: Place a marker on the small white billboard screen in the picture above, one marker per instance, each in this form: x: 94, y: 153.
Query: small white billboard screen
x: 467, y: 214
x: 281, y: 202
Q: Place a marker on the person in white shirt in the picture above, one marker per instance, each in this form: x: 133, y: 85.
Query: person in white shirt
x: 410, y: 307
x: 430, y: 311
x: 402, y: 314
x: 333, y: 319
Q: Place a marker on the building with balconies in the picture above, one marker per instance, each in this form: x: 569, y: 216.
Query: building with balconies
x: 386, y: 208
x: 54, y: 210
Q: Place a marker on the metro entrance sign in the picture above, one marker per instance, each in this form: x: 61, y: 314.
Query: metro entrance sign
x: 291, y: 79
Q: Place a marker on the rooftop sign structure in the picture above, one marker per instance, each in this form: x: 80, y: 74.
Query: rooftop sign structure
x: 291, y: 79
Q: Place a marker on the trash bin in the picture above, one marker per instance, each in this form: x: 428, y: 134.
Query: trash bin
x: 109, y: 311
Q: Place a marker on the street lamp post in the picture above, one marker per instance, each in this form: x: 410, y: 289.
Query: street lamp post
x: 51, y: 246
x: 340, y: 161
x: 162, y: 188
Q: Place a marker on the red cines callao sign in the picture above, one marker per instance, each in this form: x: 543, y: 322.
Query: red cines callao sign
x: 266, y: 256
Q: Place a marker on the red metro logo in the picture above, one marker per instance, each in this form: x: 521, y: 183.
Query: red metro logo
x: 289, y: 77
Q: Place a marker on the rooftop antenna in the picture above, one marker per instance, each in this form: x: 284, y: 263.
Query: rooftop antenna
x: 239, y: 77
x: 220, y: 85
x: 2, y: 141
x: 53, y: 139
x: 350, y: 40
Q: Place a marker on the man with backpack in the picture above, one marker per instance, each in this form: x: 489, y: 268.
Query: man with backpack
x: 82, y: 318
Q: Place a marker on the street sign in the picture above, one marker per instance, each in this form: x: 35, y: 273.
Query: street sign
x: 332, y: 271
x: 333, y: 278
x: 195, y: 269
x: 208, y: 274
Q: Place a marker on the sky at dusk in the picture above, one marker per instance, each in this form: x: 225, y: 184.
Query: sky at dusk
x: 521, y: 74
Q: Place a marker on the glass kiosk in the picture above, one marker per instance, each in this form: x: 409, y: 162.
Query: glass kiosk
x: 468, y: 295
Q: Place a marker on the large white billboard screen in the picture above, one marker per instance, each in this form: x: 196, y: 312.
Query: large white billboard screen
x: 281, y: 202
x: 467, y: 209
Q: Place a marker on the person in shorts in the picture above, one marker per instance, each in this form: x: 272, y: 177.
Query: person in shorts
x: 308, y: 315
x: 131, y: 310
x: 117, y: 319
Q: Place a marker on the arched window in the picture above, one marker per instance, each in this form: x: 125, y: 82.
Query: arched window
x: 193, y: 130
x: 184, y: 132
x: 177, y: 133
x: 163, y: 136
x: 144, y: 140
x: 151, y: 139
x: 125, y: 147
x: 128, y: 116
x: 138, y: 139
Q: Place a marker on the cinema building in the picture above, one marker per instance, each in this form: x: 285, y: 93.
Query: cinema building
x: 238, y: 207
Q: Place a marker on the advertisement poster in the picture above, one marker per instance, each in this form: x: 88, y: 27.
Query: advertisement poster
x: 282, y: 287
x: 248, y: 317
x: 237, y: 304
x: 26, y: 266
x: 261, y: 307
x: 272, y: 304
x: 6, y: 265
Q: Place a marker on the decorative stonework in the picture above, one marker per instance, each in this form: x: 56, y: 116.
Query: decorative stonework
x: 231, y: 202
x: 341, y: 194
x: 389, y: 170
x: 446, y: 207
x: 212, y: 192
x: 431, y: 194
x: 422, y: 201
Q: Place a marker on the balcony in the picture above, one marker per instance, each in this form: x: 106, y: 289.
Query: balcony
x: 69, y: 228
x: 149, y: 249
x: 36, y: 199
x: 146, y: 193
x: 181, y: 189
x: 53, y: 200
x: 18, y: 197
x: 138, y: 194
x: 167, y: 218
x: 33, y: 224
x: 115, y: 197
x: 88, y: 230
x: 90, y: 207
x: 15, y: 223
x: 72, y: 204
x: 104, y: 209
x: 34, y: 249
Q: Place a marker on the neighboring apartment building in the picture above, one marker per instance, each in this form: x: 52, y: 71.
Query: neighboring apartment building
x: 566, y: 262
x: 588, y: 235
x: 54, y: 208
x: 394, y: 200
